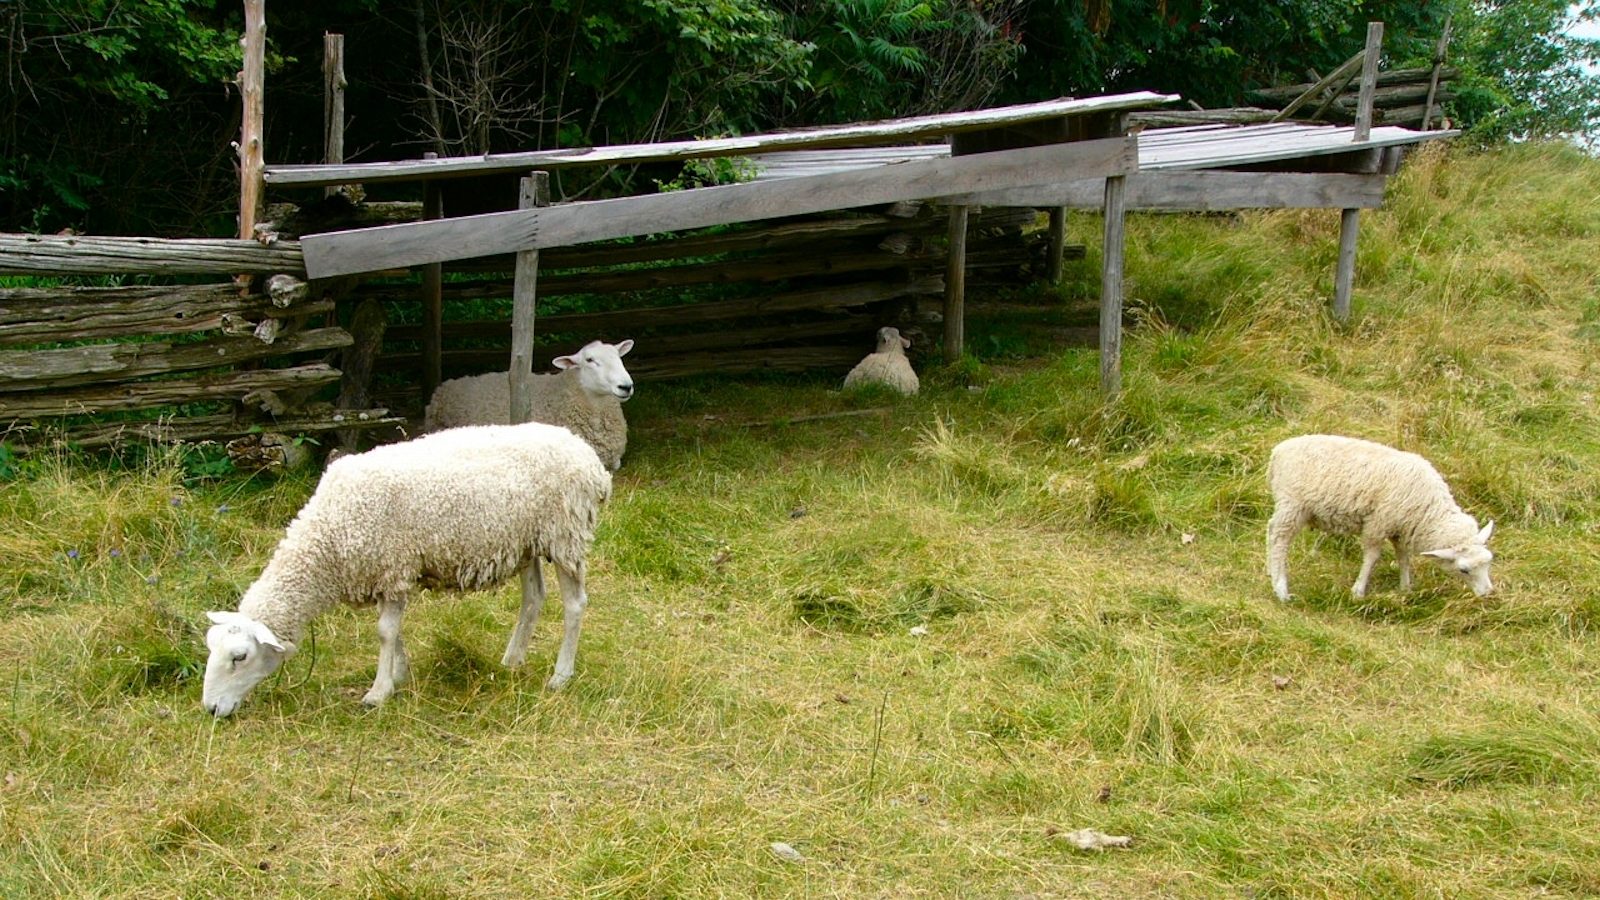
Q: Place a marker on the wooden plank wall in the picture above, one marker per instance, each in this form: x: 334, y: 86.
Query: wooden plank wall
x: 793, y: 294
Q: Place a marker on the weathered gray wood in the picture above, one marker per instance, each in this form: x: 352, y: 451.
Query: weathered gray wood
x: 1369, y: 80
x: 57, y: 315
x: 95, y: 363
x: 1345, y: 271
x: 1111, y: 288
x: 1203, y: 191
x: 49, y: 254
x: 895, y: 131
x: 1224, y: 146
x: 955, y: 285
x: 198, y: 428
x: 135, y: 395
x: 1285, y: 93
x: 534, y: 193
x: 394, y: 246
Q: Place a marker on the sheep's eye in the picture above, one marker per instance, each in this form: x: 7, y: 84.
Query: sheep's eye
x: 239, y: 656
x: 1465, y: 570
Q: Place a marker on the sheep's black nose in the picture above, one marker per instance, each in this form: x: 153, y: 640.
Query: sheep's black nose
x: 625, y: 391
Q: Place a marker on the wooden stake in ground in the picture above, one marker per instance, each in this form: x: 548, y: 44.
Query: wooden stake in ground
x: 252, y: 86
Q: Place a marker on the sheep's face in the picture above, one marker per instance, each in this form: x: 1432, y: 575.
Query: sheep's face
x: 1470, y: 561
x: 600, y: 369
x: 890, y: 341
x: 243, y: 653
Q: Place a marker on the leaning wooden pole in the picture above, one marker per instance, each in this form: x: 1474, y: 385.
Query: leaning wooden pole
x: 1350, y: 219
x: 1440, y: 54
x: 252, y: 89
x: 535, y: 192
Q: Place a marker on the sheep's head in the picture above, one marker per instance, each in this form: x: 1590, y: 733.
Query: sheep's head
x: 243, y: 653
x: 1470, y: 561
x: 600, y: 369
x: 890, y: 341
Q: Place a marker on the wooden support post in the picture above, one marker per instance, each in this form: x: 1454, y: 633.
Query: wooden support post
x: 333, y: 87
x: 955, y: 285
x: 535, y: 192
x: 1116, y: 208
x: 432, y: 296
x: 356, y: 365
x: 1344, y: 275
x: 1058, y: 242
x: 252, y: 90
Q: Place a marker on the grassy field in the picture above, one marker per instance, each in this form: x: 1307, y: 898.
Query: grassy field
x: 920, y: 647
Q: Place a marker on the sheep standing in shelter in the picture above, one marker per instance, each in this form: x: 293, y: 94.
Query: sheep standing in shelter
x: 1345, y: 485
x: 585, y: 396
x: 887, y: 365
x: 462, y: 509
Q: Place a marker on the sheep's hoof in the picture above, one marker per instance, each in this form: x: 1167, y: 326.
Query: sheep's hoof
x: 375, y: 697
x: 557, y: 682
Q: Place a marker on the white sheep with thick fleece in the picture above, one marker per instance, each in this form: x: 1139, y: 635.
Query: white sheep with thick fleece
x: 462, y: 509
x: 1345, y: 485
x: 585, y: 396
x: 887, y: 365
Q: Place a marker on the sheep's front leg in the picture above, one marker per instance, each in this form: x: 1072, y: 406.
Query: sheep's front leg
x: 393, y: 667
x: 532, y: 604
x: 1281, y: 531
x: 1371, y: 551
x: 573, y: 601
x: 1402, y: 555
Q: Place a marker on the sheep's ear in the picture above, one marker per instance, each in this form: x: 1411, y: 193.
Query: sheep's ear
x: 257, y: 630
x: 905, y: 343
x: 265, y: 636
x: 1448, y: 553
x: 564, y: 362
x: 1483, y: 536
x: 624, y: 347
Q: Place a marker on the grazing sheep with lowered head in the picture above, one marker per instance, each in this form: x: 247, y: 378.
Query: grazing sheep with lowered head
x: 1349, y: 486
x: 463, y: 509
x: 585, y: 396
x: 887, y: 365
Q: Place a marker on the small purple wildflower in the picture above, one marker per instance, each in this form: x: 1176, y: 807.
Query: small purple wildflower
x: 223, y: 508
x: 177, y: 501
x: 115, y: 553
x: 72, y: 554
x: 151, y: 579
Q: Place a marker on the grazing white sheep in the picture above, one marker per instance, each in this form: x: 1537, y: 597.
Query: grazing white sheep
x: 585, y: 396
x: 886, y: 366
x: 1345, y: 485
x: 462, y: 509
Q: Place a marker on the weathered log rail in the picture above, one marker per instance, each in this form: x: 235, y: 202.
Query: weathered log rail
x: 1400, y: 98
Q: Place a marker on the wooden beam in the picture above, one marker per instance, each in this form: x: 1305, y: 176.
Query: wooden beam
x: 534, y: 193
x: 50, y: 254
x: 894, y: 131
x: 95, y: 363
x: 1345, y: 270
x: 1440, y: 52
x: 61, y: 314
x: 415, y: 243
x: 1201, y: 191
x: 1054, y: 264
x: 167, y: 392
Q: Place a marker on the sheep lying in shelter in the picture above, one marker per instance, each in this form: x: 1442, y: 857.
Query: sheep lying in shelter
x: 887, y: 365
x: 462, y: 509
x: 585, y: 396
x: 1345, y: 485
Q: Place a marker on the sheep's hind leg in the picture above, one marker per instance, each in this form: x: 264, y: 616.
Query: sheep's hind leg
x: 393, y: 667
x: 532, y: 604
x: 573, y: 601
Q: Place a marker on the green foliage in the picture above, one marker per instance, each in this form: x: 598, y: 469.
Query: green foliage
x: 1526, y: 77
